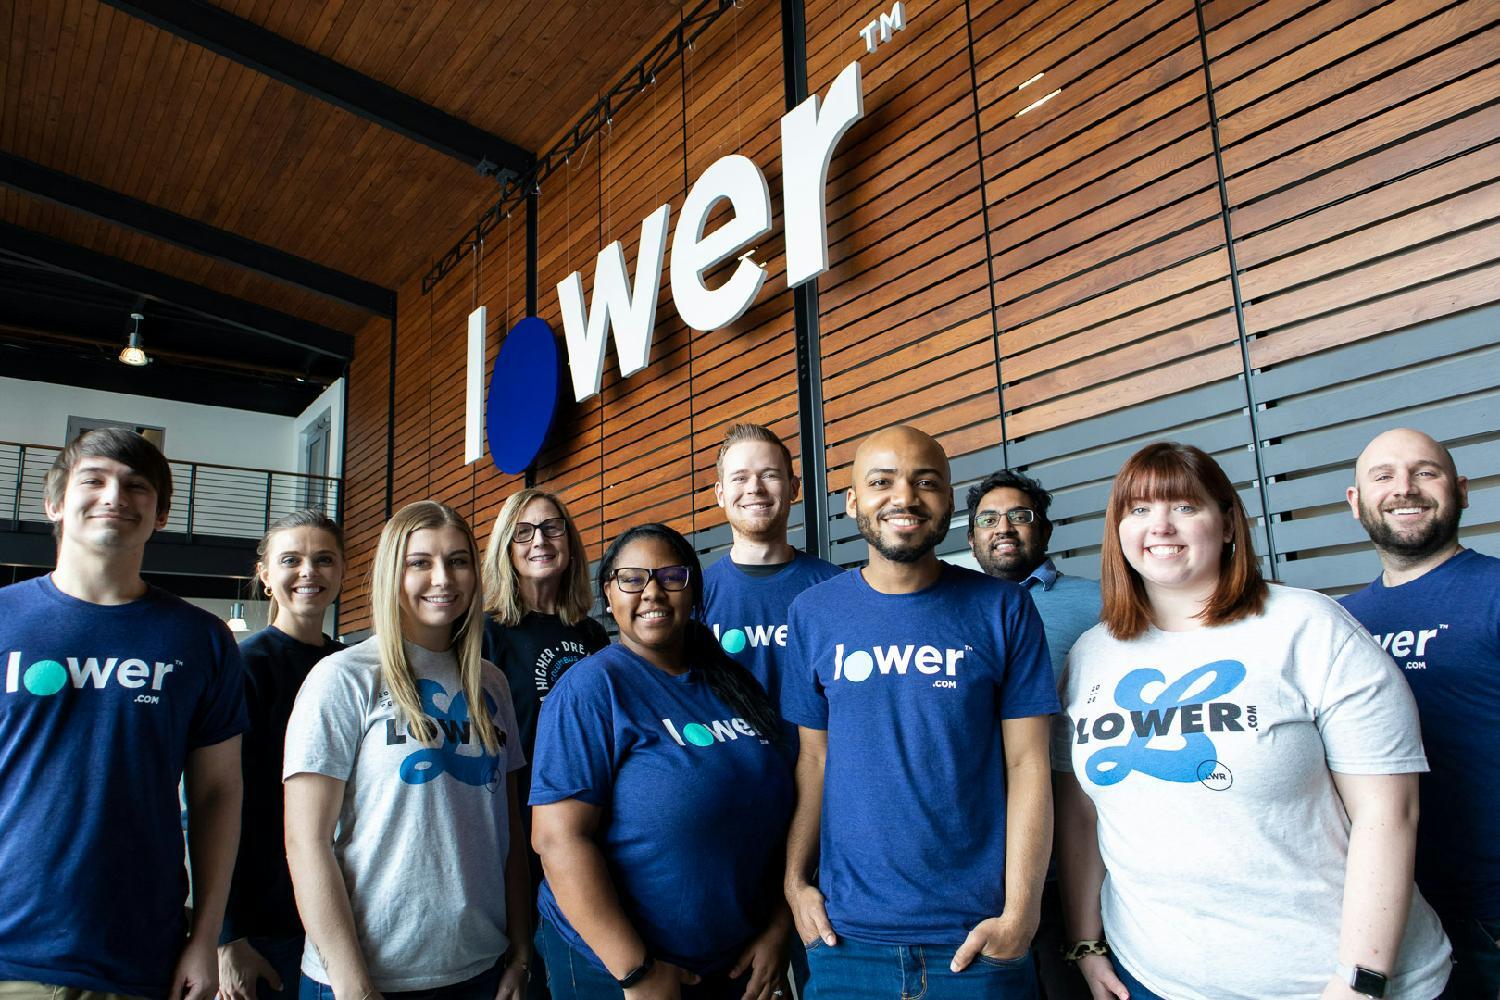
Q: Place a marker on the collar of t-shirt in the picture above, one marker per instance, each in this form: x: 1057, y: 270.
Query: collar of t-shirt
x: 1046, y: 574
x: 760, y: 570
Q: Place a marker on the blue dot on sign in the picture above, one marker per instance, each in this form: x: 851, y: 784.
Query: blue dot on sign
x: 45, y: 677
x: 523, y: 395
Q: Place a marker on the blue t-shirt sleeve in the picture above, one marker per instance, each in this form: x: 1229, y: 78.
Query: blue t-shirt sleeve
x: 1029, y: 687
x: 574, y: 755
x: 803, y: 702
x: 221, y: 712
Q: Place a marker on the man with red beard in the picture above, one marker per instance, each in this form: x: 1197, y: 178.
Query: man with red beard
x: 923, y: 693
x: 1436, y: 609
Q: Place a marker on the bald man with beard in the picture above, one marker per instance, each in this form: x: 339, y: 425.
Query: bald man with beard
x: 1436, y: 609
x: 921, y: 692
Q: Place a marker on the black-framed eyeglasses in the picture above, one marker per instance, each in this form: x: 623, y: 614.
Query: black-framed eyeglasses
x: 1016, y: 515
x: 553, y: 527
x: 632, y: 580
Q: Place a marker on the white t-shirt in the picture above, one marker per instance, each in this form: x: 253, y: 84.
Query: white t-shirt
x: 1208, y: 755
x: 423, y: 832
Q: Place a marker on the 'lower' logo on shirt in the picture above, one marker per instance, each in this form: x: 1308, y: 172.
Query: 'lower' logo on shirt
x: 1186, y: 711
x: 860, y: 665
x: 734, y: 640
x: 716, y: 731
x: 47, y: 677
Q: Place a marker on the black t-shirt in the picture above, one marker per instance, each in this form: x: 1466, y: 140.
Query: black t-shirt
x: 533, y: 655
x: 261, y: 903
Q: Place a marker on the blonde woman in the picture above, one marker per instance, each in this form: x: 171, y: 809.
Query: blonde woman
x: 536, y: 582
x: 401, y: 799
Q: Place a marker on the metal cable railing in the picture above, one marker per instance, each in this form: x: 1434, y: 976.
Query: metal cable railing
x: 208, y: 499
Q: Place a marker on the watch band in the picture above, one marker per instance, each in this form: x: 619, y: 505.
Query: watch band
x: 1365, y: 982
x: 635, y: 975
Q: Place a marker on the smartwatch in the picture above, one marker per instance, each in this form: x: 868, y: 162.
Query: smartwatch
x: 1365, y: 982
x: 635, y: 975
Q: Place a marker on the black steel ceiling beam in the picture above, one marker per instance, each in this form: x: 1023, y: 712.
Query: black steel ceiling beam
x: 159, y: 223
x: 266, y: 52
x: 251, y: 317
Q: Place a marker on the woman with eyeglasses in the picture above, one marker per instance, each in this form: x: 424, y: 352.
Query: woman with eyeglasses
x: 661, y: 801
x: 536, y: 584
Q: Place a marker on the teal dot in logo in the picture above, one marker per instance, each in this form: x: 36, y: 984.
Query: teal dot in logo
x: 733, y: 641
x: 696, y: 734
x: 45, y: 677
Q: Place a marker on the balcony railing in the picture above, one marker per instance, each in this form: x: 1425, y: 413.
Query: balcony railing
x: 218, y: 500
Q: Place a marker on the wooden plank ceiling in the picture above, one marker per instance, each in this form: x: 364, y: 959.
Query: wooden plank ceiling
x: 97, y: 94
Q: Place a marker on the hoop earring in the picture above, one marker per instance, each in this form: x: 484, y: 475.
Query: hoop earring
x: 268, y: 591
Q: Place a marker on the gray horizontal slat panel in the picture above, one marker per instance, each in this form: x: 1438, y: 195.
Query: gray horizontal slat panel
x: 1321, y: 532
x: 1214, y: 435
x: 1410, y: 346
x: 1351, y: 569
x: 1133, y: 422
x: 1084, y: 566
x: 1396, y: 390
x: 1463, y: 418
x: 1329, y: 487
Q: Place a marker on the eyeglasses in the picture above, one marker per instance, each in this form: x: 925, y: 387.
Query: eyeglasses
x: 1016, y: 515
x: 525, y: 531
x: 633, y: 581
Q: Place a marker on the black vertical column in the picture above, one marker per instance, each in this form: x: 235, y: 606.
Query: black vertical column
x: 805, y: 318
x: 532, y: 302
x: 390, y: 427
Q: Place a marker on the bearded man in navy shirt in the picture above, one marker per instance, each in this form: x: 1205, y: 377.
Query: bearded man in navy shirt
x: 1436, y: 609
x: 922, y: 693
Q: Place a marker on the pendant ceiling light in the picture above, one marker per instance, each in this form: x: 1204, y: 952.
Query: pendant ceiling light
x: 134, y: 351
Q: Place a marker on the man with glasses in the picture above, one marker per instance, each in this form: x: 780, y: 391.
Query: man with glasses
x: 923, y: 692
x: 1008, y: 534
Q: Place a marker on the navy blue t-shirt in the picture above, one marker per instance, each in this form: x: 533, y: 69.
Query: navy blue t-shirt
x: 696, y: 804
x: 911, y: 689
x: 1443, y: 630
x: 99, y: 708
x: 748, y: 614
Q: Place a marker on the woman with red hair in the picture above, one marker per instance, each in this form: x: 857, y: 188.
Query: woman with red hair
x: 1237, y: 786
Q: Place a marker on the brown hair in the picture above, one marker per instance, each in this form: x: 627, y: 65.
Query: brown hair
x: 1169, y: 471
x: 502, y: 591
x: 121, y: 445
x: 308, y: 517
x: 752, y: 432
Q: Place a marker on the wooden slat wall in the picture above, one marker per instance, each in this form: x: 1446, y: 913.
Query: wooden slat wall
x: 1051, y: 286
x: 1361, y: 157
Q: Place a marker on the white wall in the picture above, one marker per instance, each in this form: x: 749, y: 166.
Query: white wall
x: 332, y: 402
x: 37, y: 413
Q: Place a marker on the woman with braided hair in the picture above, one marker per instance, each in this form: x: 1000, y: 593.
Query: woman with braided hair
x: 661, y: 801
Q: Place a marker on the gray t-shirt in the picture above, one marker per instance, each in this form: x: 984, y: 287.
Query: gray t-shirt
x: 423, y: 832
x: 1209, y: 755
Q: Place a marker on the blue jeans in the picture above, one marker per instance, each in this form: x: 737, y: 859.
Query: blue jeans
x: 1476, y: 960
x: 1137, y: 991
x: 481, y: 987
x: 285, y: 956
x: 572, y: 975
x: 854, y: 970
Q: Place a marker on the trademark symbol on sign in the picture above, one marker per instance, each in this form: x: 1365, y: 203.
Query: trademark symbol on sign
x: 879, y: 31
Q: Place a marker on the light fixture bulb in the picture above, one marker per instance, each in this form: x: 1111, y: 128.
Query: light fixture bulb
x: 134, y: 351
